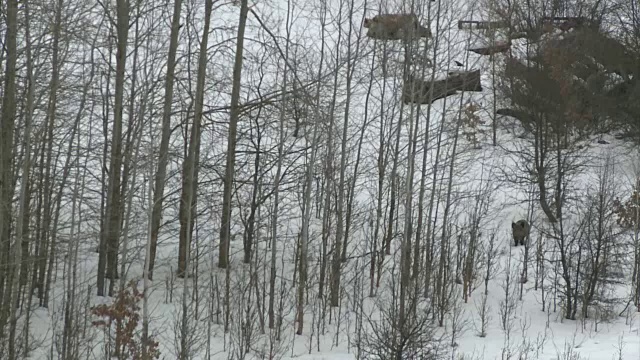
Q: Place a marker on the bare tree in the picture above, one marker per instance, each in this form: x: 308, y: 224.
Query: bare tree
x: 302, y: 258
x: 603, y: 263
x: 225, y: 222
x: 7, y: 126
x: 556, y: 110
x: 109, y: 242
x: 190, y: 185
x: 17, y: 248
x: 276, y: 185
x: 160, y: 179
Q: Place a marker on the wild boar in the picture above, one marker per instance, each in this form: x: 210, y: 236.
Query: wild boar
x: 520, y: 230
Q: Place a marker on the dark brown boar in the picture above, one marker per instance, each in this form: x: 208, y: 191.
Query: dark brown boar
x: 520, y: 230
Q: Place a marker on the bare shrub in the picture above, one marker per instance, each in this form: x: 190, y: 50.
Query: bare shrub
x: 385, y: 338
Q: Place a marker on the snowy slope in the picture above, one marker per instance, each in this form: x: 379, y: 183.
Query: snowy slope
x: 536, y: 333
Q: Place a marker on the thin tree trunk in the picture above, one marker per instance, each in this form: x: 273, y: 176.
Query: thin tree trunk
x: 104, y: 199
x: 7, y: 125
x: 405, y: 248
x: 382, y: 165
x: 425, y: 151
x: 430, y: 240
x: 329, y: 172
x: 225, y: 224
x: 48, y: 139
x: 394, y: 182
x: 190, y: 186
x: 340, y: 247
x: 352, y: 185
x: 306, y: 217
x: 25, y: 215
x: 374, y: 241
x: 23, y: 206
x: 440, y: 283
x: 22, y: 224
x: 161, y: 173
x: 69, y: 303
x: 114, y: 208
x: 276, y: 185
x: 133, y: 137
x: 251, y: 221
x: 389, y: 234
x: 445, y: 240
x: 63, y: 183
x: 146, y: 278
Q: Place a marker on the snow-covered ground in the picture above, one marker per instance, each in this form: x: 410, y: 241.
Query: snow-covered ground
x: 533, y: 333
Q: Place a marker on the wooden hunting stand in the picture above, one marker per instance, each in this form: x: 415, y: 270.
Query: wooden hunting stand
x: 495, y: 48
x: 481, y: 25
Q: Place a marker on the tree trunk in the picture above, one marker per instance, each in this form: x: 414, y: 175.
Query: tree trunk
x: 114, y: 208
x: 276, y: 184
x: 306, y: 202
x: 7, y: 125
x: 255, y: 203
x: 187, y: 212
x: 329, y: 172
x: 104, y: 200
x: 189, y: 187
x: 225, y: 224
x: 46, y: 232
x: 423, y: 177
x: 132, y: 151
x: 352, y: 184
x: 381, y: 165
x: 405, y: 247
x: 444, y: 241
x: 69, y: 329
x: 23, y: 207
x: 161, y: 173
x: 341, y: 244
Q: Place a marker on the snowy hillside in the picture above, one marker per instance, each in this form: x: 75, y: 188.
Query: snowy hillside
x: 361, y: 225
